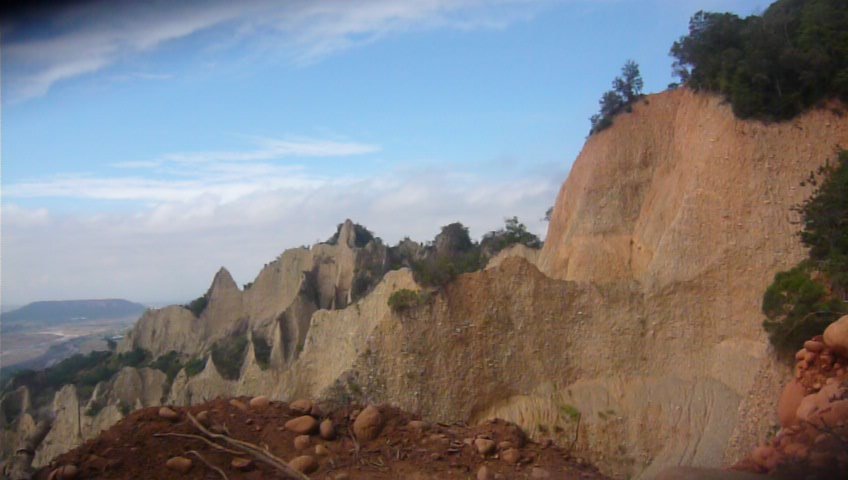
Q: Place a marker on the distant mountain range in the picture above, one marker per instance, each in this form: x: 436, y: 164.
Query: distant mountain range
x: 69, y: 311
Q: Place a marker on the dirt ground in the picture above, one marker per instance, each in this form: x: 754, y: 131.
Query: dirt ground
x: 131, y: 449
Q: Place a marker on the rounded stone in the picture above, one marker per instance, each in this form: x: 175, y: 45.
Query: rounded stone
x: 327, y: 429
x: 511, y: 455
x: 304, y: 464
x: 302, y: 425
x: 179, y: 464
x: 259, y: 402
x: 302, y: 442
x: 484, y: 445
x: 483, y: 473
x: 168, y: 413
x: 242, y: 464
x: 368, y: 424
x: 301, y: 406
x: 321, y: 450
x: 836, y: 336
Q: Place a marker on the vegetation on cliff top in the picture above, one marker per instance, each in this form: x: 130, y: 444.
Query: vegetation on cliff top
x: 626, y: 89
x: 803, y: 301
x: 771, y: 66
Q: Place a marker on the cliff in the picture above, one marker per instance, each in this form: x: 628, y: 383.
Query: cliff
x: 637, y: 339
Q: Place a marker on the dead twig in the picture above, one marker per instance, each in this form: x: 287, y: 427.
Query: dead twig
x: 355, y: 443
x: 206, y: 462
x: 198, y: 437
x: 251, y: 449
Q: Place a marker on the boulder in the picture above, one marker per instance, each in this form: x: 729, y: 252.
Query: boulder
x: 836, y: 336
x: 368, y: 424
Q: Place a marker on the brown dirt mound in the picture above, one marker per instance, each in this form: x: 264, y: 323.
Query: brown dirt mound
x: 132, y: 450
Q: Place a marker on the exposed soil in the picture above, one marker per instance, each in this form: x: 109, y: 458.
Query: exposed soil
x: 129, y: 450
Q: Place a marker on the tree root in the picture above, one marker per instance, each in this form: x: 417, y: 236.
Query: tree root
x: 206, y: 462
x: 252, y: 450
x: 198, y: 437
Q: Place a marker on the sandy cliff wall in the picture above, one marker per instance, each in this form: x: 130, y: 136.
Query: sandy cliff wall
x: 666, y: 233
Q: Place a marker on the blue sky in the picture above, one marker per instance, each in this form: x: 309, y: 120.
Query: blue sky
x: 147, y: 144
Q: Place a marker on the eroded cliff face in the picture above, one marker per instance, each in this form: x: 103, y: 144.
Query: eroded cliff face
x: 637, y: 339
x: 644, y: 324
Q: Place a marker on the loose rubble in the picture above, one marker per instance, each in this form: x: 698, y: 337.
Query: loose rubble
x: 374, y: 442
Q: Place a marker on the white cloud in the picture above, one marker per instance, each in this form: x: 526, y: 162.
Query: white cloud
x: 85, y: 39
x: 170, y: 250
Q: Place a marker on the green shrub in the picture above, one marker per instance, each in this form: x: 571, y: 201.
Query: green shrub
x: 198, y: 305
x: 195, y: 366
x: 169, y: 363
x: 228, y: 355
x: 262, y: 351
x: 514, y: 232
x: 798, y: 307
x: 803, y: 301
x: 405, y: 299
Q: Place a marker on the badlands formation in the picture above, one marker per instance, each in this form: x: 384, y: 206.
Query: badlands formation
x: 635, y: 334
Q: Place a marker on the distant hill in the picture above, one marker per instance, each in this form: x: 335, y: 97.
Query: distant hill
x: 66, y: 311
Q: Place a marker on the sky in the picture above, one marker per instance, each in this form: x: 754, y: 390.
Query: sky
x: 147, y: 144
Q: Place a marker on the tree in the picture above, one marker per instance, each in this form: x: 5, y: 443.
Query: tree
x: 770, y: 66
x: 626, y: 89
x: 629, y: 84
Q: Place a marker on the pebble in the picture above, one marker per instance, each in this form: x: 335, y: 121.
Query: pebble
x: 327, y: 429
x: 484, y: 445
x: 179, y: 464
x: 321, y: 450
x: 302, y: 442
x: 259, y: 402
x: 368, y: 424
x: 304, y: 464
x: 511, y: 455
x: 168, y: 414
x: 301, y: 406
x: 203, y: 416
x: 242, y: 464
x: 303, y: 425
x: 505, y: 445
